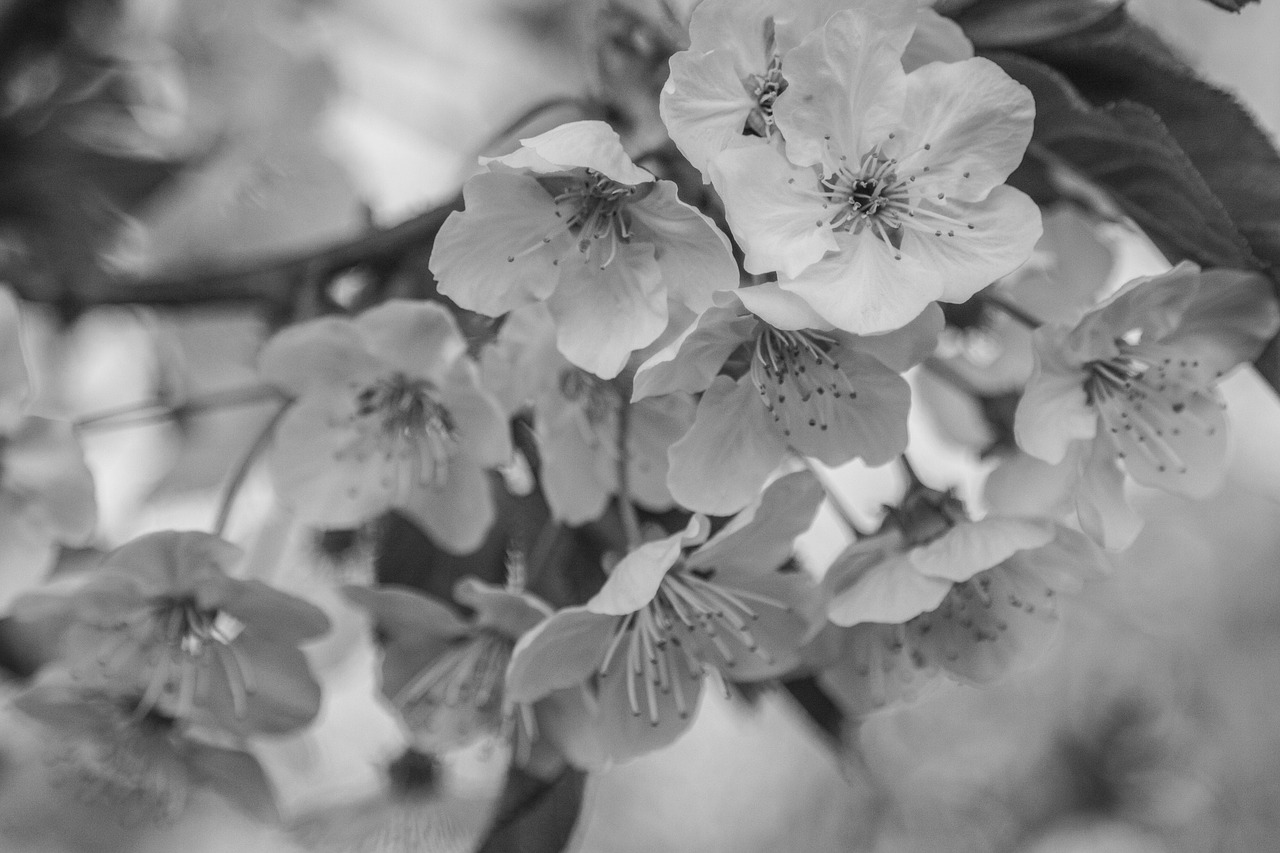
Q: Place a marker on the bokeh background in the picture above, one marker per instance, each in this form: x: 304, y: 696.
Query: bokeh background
x: 1152, y: 725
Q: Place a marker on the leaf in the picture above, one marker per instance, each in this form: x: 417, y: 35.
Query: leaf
x: 1010, y: 23
x: 1126, y: 149
x: 536, y: 815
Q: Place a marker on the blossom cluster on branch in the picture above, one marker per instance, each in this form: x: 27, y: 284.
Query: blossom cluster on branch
x: 684, y: 386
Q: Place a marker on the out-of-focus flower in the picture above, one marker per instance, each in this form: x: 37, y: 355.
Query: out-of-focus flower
x: 935, y: 591
x: 723, y: 88
x: 162, y: 620
x: 826, y: 394
x: 891, y: 191
x: 146, y: 766
x: 569, y: 220
x: 445, y: 674
x: 576, y: 420
x: 1132, y: 385
x: 672, y: 614
x: 388, y: 414
x: 46, y: 490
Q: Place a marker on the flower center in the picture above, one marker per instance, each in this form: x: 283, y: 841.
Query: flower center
x: 191, y: 638
x: 881, y: 196
x: 1143, y: 402
x: 765, y: 88
x: 796, y: 366
x: 468, y: 674
x: 401, y: 416
x: 691, y: 623
x: 592, y: 208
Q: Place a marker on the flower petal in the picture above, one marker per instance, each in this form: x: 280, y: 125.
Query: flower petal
x: 603, y: 315
x: 1233, y: 316
x: 655, y: 718
x: 1005, y: 228
x: 904, y: 348
x: 972, y: 547
x: 694, y: 257
x: 561, y: 652
x: 1101, y: 504
x: 866, y: 288
x: 890, y: 590
x: 281, y: 693
x: 634, y: 581
x: 691, y: 361
x: 974, y: 118
x: 273, y: 614
x: 15, y: 380
x: 589, y: 144
x: 774, y: 208
x: 705, y: 105
x: 845, y: 87
x: 456, y: 515
x: 321, y: 353
x: 760, y: 538
x: 780, y: 308
x: 936, y: 39
x: 656, y: 424
x: 500, y: 609
x: 44, y: 463
x: 859, y: 409
x: 875, y: 669
x: 1170, y: 437
x: 1054, y: 410
x: 481, y: 428
x: 733, y: 446
x: 491, y: 257
x: 417, y: 337
x: 172, y: 561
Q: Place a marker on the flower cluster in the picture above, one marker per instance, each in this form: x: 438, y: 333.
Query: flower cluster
x: 673, y: 396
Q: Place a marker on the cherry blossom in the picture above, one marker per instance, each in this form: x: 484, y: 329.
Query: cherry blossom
x: 576, y: 420
x: 388, y: 413
x: 722, y: 90
x: 891, y: 190
x: 162, y: 618
x: 1130, y: 389
x: 569, y: 220
x: 673, y: 611
x: 816, y: 392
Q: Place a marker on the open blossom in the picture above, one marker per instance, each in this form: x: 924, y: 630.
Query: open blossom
x: 445, y: 674
x: 388, y: 414
x: 671, y: 614
x: 820, y: 393
x: 162, y: 619
x: 891, y: 190
x: 1132, y: 387
x: 569, y: 220
x: 141, y: 767
x: 576, y: 421
x: 936, y: 592
x: 724, y: 87
x: 46, y: 490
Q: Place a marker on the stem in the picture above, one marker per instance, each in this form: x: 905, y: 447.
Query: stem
x: 153, y: 411
x: 242, y: 470
x: 626, y: 509
x: 835, y: 499
x: 1012, y: 309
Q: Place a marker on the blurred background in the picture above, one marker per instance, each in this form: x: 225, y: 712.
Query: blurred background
x: 240, y: 130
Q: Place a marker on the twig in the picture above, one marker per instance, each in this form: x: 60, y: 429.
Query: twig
x: 242, y: 470
x: 152, y: 411
x: 626, y: 509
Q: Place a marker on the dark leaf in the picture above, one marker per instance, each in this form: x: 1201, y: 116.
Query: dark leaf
x: 536, y: 815
x: 1011, y: 23
x: 1126, y: 149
